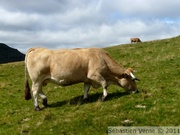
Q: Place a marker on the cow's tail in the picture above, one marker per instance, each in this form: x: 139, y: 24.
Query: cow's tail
x: 27, y: 93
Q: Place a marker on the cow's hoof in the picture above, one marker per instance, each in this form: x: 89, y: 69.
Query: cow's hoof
x: 37, y: 108
x: 85, y: 100
x: 103, y: 98
x: 45, y: 102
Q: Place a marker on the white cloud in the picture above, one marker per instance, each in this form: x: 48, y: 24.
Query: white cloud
x: 149, y: 8
x: 83, y: 23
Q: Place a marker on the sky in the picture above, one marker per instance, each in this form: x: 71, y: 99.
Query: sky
x: 85, y: 23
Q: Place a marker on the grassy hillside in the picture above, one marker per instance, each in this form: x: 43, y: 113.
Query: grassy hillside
x: 156, y: 64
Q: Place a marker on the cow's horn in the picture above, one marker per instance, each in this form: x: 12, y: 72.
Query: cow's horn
x: 133, y: 77
x: 131, y: 74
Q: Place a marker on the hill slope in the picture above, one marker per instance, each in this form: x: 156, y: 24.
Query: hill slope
x: 8, y: 54
x: 156, y: 63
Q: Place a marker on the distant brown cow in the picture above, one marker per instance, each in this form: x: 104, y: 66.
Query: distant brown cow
x: 136, y: 40
x: 92, y: 66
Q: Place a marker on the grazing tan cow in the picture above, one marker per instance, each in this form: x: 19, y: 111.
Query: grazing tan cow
x: 64, y: 67
x: 136, y: 40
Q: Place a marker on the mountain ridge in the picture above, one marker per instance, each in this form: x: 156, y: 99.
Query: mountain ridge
x: 8, y: 54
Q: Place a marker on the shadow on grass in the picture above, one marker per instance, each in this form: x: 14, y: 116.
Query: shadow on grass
x: 78, y: 100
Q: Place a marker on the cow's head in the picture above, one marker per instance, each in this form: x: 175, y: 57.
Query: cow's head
x: 127, y: 81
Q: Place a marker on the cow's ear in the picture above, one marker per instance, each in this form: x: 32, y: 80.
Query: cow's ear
x: 124, y: 75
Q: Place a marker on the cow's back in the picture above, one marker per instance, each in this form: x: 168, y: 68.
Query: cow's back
x: 68, y: 66
x: 74, y: 64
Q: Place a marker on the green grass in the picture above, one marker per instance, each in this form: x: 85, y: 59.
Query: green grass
x: 155, y: 63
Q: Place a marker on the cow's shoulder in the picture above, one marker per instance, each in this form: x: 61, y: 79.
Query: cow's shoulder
x: 95, y: 50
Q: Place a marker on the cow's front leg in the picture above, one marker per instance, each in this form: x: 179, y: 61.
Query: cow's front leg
x: 86, y: 89
x: 99, y: 79
x: 104, y: 93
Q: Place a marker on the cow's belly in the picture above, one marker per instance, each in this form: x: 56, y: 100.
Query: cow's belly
x: 65, y: 81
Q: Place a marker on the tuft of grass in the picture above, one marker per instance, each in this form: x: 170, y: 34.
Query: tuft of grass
x: 155, y: 63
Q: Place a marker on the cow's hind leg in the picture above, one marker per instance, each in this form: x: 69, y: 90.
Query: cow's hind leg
x: 36, y: 87
x: 44, y: 98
